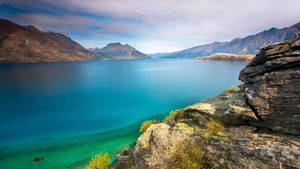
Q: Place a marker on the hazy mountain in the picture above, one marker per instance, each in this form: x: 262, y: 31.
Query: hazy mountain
x: 241, y: 46
x: 27, y: 44
x: 157, y: 55
x: 118, y: 51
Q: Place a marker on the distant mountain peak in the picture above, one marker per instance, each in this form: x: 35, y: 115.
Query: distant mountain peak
x: 119, y: 51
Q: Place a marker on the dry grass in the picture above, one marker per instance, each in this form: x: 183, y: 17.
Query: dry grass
x: 213, y: 126
x: 231, y: 89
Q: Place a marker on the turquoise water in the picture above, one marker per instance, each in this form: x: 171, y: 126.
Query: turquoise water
x: 65, y: 112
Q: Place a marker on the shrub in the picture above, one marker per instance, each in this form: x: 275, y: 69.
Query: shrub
x: 100, y: 161
x: 179, y: 114
x: 125, y: 152
x: 147, y: 124
x: 175, y: 115
x: 231, y: 89
x: 191, y: 156
x: 214, y: 126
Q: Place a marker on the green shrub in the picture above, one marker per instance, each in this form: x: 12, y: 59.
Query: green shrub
x: 231, y: 89
x: 147, y: 124
x: 100, y: 161
x: 125, y: 152
x: 175, y: 115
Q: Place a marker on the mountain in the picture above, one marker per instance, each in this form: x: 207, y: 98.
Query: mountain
x: 157, y: 55
x: 227, y: 57
x: 118, y: 51
x: 241, y: 46
x: 28, y: 44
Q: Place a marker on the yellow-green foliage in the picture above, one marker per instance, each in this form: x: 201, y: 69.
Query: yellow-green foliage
x: 175, y: 115
x: 125, y: 152
x: 231, y: 89
x: 100, y: 161
x: 214, y: 126
x: 189, y: 157
x: 147, y: 124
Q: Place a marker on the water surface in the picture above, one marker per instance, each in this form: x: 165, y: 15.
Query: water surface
x: 66, y: 111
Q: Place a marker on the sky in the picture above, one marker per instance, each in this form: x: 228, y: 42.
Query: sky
x: 152, y: 26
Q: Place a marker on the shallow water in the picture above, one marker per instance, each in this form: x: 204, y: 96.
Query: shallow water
x: 63, y: 111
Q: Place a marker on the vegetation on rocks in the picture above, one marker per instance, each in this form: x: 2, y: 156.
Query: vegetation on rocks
x: 147, y: 124
x: 100, y: 161
x: 125, y: 152
x: 231, y: 89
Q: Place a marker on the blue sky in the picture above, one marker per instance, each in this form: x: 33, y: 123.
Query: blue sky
x: 152, y: 25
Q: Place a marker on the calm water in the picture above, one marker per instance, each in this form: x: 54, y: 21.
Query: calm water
x: 63, y: 111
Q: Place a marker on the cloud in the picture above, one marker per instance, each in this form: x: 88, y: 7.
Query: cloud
x: 173, y: 24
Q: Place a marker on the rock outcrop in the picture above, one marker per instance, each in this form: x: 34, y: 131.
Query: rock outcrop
x: 28, y: 44
x: 272, y: 86
x: 256, y: 127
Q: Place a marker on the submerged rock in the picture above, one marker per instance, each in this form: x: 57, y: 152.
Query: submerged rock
x: 272, y: 86
x: 36, y: 159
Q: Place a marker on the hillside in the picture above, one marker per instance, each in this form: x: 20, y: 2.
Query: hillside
x: 241, y: 46
x: 27, y: 44
x: 227, y: 57
x: 118, y: 51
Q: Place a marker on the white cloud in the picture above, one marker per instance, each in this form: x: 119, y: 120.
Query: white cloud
x: 167, y: 25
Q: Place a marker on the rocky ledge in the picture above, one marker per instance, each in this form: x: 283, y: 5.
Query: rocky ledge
x: 255, y: 127
x: 216, y: 133
x: 272, y: 86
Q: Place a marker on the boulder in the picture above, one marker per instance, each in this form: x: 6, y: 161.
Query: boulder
x: 272, y: 86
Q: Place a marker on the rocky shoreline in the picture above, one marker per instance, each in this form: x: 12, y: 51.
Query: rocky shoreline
x: 254, y: 127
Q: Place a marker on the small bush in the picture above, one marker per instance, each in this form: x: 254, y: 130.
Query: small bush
x: 213, y: 126
x: 175, y: 115
x: 191, y: 156
x: 231, y: 89
x: 166, y: 119
x: 147, y: 124
x: 125, y: 152
x: 100, y: 161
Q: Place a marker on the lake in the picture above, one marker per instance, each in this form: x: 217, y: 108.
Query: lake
x: 67, y: 112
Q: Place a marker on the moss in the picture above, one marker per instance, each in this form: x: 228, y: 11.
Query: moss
x: 184, y: 128
x: 100, y: 161
x: 224, y: 133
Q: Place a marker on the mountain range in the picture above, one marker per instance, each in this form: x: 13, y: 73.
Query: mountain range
x: 28, y: 44
x: 118, y: 51
x: 242, y: 46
